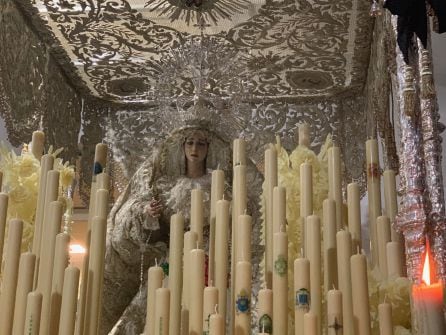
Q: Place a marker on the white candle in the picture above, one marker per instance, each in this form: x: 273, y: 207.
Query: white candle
x: 304, y: 134
x: 354, y: 214
x: 190, y: 243
x: 103, y: 181
x: 360, y: 294
x: 301, y: 293
x: 394, y: 260
x: 270, y: 183
x: 385, y: 319
x: 50, y: 229
x: 314, y: 256
x: 100, y: 158
x: 69, y: 301
x: 311, y: 323
x: 216, y: 324
x: 33, y: 311
x: 154, y: 281
x: 334, y: 312
x: 101, y: 203
x: 330, y: 258
x: 374, y: 193
x: 37, y: 144
x: 162, y: 301
x: 210, y: 300
x: 217, y: 191
x: 196, y: 288
x: 265, y: 311
x: 279, y: 209
x: 239, y: 152
x: 242, y: 322
x: 383, y: 237
x: 244, y: 238
x: 306, y: 189
x: 24, y: 286
x: 61, y: 256
x: 46, y: 164
x: 10, y: 274
x: 175, y: 271
x: 221, y: 254
x: 95, y: 275
x: 344, y: 246
x: 280, y: 283
x: 3, y: 214
x: 196, y: 214
x: 335, y: 182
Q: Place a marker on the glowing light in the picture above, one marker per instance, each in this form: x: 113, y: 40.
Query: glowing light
x: 428, y: 266
x: 77, y: 249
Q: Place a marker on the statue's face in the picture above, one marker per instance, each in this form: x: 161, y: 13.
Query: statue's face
x: 196, y: 147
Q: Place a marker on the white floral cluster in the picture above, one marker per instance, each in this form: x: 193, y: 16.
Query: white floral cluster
x: 21, y: 175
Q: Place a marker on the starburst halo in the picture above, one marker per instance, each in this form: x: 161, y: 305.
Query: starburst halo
x: 190, y: 11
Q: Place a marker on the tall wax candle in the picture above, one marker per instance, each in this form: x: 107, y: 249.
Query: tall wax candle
x: 244, y: 238
x: 354, y: 214
x: 239, y: 152
x: 265, y: 311
x: 103, y: 181
x: 24, y: 286
x: 10, y: 274
x: 3, y: 214
x: 176, y: 245
x: 242, y: 321
x: 190, y: 243
x: 196, y: 288
x: 280, y: 283
x: 304, y: 134
x: 196, y: 214
x: 61, y: 257
x: 154, y: 281
x: 95, y: 275
x: 162, y: 301
x: 38, y: 144
x: 101, y: 204
x: 210, y: 300
x: 335, y: 182
x: 217, y: 191
x: 271, y: 178
x: 100, y: 158
x: 383, y: 236
x: 330, y: 258
x: 46, y: 164
x: 360, y: 294
x: 344, y: 246
x: 374, y: 193
x: 69, y: 301
x: 306, y: 189
x: 44, y: 284
x: 32, y: 316
x: 385, y: 319
x: 314, y: 256
x: 301, y: 293
x: 395, y: 267
x: 334, y: 312
x: 311, y: 323
x: 279, y: 209
x: 221, y: 254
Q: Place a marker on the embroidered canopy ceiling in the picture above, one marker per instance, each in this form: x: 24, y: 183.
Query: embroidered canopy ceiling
x: 291, y: 50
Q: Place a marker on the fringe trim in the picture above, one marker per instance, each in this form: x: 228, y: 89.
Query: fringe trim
x: 409, y: 93
x: 427, y: 86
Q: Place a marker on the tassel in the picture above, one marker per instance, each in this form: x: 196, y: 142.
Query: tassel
x: 409, y: 93
x: 427, y: 78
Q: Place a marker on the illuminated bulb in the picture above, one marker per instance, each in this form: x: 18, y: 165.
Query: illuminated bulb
x: 77, y: 249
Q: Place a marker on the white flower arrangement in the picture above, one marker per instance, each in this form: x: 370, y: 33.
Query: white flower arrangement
x: 21, y: 175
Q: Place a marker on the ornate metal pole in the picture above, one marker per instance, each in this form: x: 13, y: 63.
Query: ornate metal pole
x: 432, y: 152
x: 411, y: 220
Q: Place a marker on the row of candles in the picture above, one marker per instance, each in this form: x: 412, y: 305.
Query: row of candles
x: 39, y: 291
x: 186, y: 306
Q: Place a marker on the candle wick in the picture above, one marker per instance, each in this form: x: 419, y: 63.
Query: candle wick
x: 197, y: 245
x: 218, y: 166
x: 302, y: 252
x: 385, y: 298
x: 156, y: 262
x: 246, y: 212
x: 216, y: 308
x: 334, y: 287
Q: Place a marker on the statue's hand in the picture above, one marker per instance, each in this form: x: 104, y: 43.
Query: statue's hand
x: 154, y: 208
